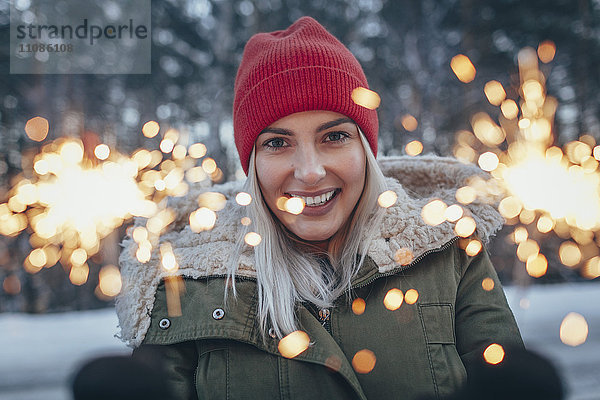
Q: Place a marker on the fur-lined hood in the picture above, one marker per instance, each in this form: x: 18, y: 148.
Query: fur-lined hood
x: 416, y: 181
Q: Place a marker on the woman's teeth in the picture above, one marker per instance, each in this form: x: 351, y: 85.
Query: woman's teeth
x: 317, y: 200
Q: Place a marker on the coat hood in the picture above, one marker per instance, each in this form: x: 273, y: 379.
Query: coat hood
x: 403, y: 236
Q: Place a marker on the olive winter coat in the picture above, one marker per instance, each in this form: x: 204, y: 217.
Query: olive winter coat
x: 422, y: 348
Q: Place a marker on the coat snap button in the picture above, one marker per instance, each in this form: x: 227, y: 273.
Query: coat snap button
x: 272, y: 333
x: 164, y: 323
x: 324, y: 314
x: 218, y: 313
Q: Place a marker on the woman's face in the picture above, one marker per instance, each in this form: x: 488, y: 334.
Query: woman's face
x: 318, y: 156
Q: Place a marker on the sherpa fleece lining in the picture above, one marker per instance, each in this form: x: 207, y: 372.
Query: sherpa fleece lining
x: 416, y: 181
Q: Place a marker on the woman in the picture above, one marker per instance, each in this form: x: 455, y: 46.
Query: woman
x: 333, y: 271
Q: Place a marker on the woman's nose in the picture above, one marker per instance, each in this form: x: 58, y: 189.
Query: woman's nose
x: 309, y: 167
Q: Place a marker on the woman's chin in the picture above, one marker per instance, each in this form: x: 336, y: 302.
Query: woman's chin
x: 313, y: 238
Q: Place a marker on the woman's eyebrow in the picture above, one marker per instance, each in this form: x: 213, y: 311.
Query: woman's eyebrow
x: 333, y: 123
x: 322, y: 127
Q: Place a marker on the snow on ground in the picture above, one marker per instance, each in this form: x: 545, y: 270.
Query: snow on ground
x: 40, y: 353
x: 540, y: 323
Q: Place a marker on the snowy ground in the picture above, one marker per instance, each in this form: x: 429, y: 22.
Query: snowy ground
x: 39, y: 353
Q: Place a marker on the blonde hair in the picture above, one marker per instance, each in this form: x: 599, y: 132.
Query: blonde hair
x: 285, y: 274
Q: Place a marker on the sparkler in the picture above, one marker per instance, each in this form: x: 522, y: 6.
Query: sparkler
x: 73, y: 198
x: 545, y: 188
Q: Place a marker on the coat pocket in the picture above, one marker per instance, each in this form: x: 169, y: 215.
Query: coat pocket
x: 212, y: 373
x: 447, y: 370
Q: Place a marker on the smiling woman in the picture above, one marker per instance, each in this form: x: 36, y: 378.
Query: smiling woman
x: 318, y: 157
x: 326, y: 283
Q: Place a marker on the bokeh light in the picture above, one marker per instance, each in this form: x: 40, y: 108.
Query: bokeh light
x: 102, y: 152
x: 203, y: 219
x: 473, y: 248
x: 37, y: 128
x: 536, y: 265
x: 294, y: 344
x: 433, y: 213
x: 493, y: 354
x: 358, y: 306
x: 387, y: 199
x: 294, y: 205
x: 393, y: 299
x: 197, y: 150
x: 574, y: 329
x: 409, y: 122
x: 495, y: 93
x: 411, y: 296
x: 243, y: 198
x: 487, y: 284
x: 414, y: 148
x: 465, y: 227
x: 364, y: 361
x: 110, y: 280
x: 252, y: 239
x: 150, y: 129
x: 463, y: 68
x: 366, y: 98
x: 546, y: 51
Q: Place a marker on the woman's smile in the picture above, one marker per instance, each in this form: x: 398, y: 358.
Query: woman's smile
x: 316, y: 156
x: 319, y: 205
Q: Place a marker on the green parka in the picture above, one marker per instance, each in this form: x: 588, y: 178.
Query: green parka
x: 425, y: 348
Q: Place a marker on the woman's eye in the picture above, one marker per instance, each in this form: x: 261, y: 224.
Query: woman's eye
x: 336, y: 136
x: 275, y: 143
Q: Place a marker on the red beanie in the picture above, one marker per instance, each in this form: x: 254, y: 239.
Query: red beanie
x: 302, y: 68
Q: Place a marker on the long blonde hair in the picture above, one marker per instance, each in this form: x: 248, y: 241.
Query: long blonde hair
x: 285, y: 274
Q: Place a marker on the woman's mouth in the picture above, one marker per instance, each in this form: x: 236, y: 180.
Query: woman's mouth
x: 317, y: 201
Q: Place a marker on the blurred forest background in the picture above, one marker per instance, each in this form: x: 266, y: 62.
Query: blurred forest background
x: 405, y: 47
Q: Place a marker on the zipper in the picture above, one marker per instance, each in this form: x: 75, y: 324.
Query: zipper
x: 327, y: 324
x: 404, y: 267
x: 323, y: 315
x: 240, y: 277
x: 325, y: 318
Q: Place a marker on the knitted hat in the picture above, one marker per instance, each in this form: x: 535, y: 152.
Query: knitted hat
x: 301, y: 68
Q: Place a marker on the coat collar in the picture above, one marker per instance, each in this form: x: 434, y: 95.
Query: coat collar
x: 403, y: 236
